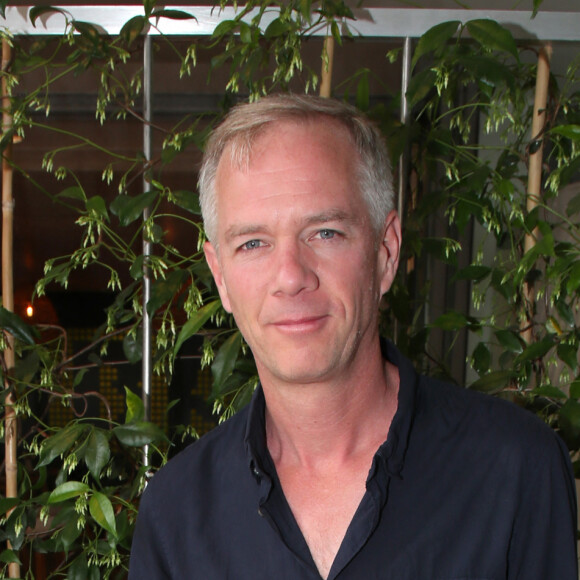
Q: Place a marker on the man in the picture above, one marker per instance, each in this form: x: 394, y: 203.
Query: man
x: 346, y: 464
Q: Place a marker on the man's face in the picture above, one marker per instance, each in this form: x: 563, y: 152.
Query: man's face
x: 298, y: 262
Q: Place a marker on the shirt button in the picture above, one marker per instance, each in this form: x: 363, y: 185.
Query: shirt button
x: 260, y: 513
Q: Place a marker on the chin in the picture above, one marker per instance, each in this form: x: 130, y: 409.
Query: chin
x: 299, y: 374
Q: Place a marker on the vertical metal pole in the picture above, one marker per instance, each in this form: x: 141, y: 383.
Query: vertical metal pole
x: 146, y: 361
x: 404, y: 159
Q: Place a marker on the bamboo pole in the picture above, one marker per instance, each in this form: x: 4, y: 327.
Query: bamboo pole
x: 535, y: 174
x: 10, y: 421
x: 326, y: 73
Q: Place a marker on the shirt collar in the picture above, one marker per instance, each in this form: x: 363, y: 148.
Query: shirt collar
x: 255, y: 437
x: 391, y: 452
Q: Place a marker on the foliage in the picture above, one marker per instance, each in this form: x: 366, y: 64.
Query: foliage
x: 79, y: 484
x: 521, y: 348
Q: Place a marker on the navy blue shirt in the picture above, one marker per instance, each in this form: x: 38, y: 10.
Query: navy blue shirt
x: 466, y: 487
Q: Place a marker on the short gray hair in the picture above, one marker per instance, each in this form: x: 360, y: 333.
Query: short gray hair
x: 245, y: 122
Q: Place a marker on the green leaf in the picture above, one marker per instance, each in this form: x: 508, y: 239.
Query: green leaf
x: 101, y: 509
x: 67, y: 490
x: 149, y: 6
x: 537, y: 4
x: 74, y: 192
x: 172, y: 14
x: 10, y: 557
x: 493, y: 36
x: 136, y: 269
x: 535, y: 145
x: 225, y: 360
x: 420, y: 86
x: 549, y: 391
x: 493, y: 382
x: 473, y: 272
x: 363, y: 93
x: 536, y: 350
x: 481, y: 358
x: 135, y: 407
x: 245, y: 33
x: 79, y: 377
x: 335, y: 31
x: 434, y: 39
x: 133, y: 347
x: 569, y: 419
x: 223, y: 28
x: 573, y: 280
x: 59, y: 443
x: 575, y: 388
x: 97, y: 452
x: 568, y: 171
x: 451, y: 321
x: 87, y: 30
x: 13, y: 324
x: 488, y: 70
x: 573, y: 206
x: 187, y: 200
x: 7, y: 503
x: 277, y: 27
x: 565, y: 312
x: 14, y: 527
x: 79, y: 568
x: 37, y: 11
x: 138, y: 433
x: 568, y: 353
x: 197, y: 320
x: 96, y: 204
x: 165, y: 289
x: 510, y: 340
x: 128, y: 209
x: 133, y: 28
x: 69, y: 533
x: 570, y: 131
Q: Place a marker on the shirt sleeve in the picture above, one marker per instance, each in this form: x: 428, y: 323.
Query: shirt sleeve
x: 543, y: 544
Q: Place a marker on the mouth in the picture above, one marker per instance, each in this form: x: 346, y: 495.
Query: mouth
x: 300, y: 325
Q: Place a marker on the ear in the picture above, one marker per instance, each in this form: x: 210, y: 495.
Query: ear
x: 211, y: 255
x: 389, y: 251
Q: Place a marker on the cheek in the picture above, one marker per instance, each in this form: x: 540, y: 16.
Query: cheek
x: 243, y: 289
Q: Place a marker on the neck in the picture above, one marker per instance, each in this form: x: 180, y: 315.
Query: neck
x: 331, y: 421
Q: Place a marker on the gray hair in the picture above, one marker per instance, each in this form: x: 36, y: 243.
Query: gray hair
x: 245, y: 122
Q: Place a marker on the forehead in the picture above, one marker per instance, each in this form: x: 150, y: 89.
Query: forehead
x: 293, y: 169
x: 244, y: 148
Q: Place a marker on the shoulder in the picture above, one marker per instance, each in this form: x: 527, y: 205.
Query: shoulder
x: 485, y: 422
x: 217, y: 452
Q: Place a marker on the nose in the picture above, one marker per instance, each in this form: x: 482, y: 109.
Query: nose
x: 295, y: 270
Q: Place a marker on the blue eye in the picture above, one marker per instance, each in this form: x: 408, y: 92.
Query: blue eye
x: 251, y: 245
x: 327, y: 234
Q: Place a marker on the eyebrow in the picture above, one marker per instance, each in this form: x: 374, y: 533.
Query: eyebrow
x: 333, y: 215
x: 236, y: 231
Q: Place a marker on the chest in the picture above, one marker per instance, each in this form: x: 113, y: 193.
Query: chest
x: 323, y: 505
